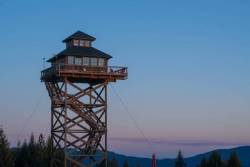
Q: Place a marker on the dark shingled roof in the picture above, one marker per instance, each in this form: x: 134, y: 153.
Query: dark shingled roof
x: 79, y: 35
x: 81, y: 52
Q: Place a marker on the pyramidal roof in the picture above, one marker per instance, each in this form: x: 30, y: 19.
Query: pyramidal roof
x: 80, y: 52
x: 79, y: 35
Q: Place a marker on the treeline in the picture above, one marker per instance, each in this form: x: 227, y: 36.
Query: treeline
x: 35, y: 153
x: 214, y: 160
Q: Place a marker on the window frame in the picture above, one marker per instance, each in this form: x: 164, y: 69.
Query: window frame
x: 103, y: 62
x: 84, y: 62
x: 76, y: 42
x: 87, y: 44
x: 81, y: 42
x: 96, y: 61
x: 71, y: 62
x: 76, y: 61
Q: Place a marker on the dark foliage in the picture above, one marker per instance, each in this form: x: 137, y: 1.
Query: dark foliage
x: 114, y: 162
x: 179, y: 162
x: 203, y: 163
x: 233, y: 160
x: 126, y: 163
x: 36, y: 153
x: 6, y: 158
x: 215, y: 160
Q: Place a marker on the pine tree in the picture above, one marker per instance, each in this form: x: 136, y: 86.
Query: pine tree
x: 21, y: 155
x: 203, y: 163
x: 33, y: 152
x: 215, y: 160
x: 42, y: 152
x: 6, y: 158
x: 41, y: 141
x: 29, y: 155
x: 126, y: 163
x: 179, y: 162
x: 233, y: 160
x: 114, y: 162
x: 47, y: 151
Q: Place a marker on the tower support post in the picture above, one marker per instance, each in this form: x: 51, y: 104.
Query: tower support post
x: 78, y: 123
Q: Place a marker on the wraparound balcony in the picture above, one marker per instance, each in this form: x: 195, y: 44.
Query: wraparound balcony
x: 82, y: 73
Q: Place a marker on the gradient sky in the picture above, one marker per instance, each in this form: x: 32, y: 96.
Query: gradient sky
x: 189, y: 63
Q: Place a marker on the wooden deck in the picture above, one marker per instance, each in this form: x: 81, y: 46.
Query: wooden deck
x: 84, y: 74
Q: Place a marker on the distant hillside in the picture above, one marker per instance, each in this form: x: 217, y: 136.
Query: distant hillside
x: 243, y: 153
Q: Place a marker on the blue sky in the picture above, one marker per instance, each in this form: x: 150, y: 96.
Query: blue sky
x: 188, y: 61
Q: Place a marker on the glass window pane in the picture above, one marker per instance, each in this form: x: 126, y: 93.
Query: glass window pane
x: 85, y: 61
x: 70, y: 60
x: 93, y: 61
x: 81, y: 42
x: 76, y: 42
x: 87, y: 43
x: 78, y: 61
x: 101, y: 62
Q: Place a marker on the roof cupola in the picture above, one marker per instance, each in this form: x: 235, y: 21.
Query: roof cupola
x: 79, y: 39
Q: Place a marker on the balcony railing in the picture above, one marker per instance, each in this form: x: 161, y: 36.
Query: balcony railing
x: 66, y: 69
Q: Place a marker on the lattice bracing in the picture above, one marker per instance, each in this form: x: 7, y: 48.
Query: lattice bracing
x: 79, y: 121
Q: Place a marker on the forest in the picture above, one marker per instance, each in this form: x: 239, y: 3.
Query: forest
x: 36, y: 153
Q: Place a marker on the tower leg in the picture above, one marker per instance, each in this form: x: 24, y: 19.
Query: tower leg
x: 78, y: 123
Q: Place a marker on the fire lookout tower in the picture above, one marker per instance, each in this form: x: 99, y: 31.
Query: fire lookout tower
x: 77, y: 85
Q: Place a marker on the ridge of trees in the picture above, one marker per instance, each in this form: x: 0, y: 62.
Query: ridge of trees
x: 36, y: 153
x: 214, y: 160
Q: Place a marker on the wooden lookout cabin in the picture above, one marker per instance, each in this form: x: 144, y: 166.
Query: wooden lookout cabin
x: 77, y: 83
x: 80, y: 62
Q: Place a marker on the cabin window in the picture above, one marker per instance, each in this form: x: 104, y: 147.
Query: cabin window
x: 87, y: 43
x: 85, y: 61
x: 78, y: 61
x: 101, y: 62
x: 93, y: 61
x: 76, y: 42
x: 70, y: 60
x: 82, y: 42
